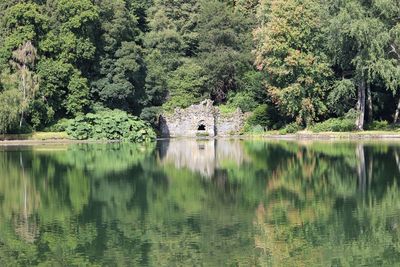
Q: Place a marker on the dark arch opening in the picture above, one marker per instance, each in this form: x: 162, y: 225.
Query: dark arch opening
x: 201, y: 127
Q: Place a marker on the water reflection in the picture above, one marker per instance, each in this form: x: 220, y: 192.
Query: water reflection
x: 203, y: 156
x: 201, y: 203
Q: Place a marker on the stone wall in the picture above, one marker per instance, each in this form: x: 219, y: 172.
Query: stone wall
x: 230, y: 124
x: 201, y: 120
x: 203, y: 156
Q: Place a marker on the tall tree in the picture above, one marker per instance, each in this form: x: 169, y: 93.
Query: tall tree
x: 359, y: 42
x: 224, y: 50
x: 289, y: 50
x: 120, y: 65
x: 68, y: 52
x: 172, y: 37
x: 24, y: 59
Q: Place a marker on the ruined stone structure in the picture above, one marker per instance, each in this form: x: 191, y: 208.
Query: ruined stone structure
x: 204, y: 156
x: 201, y: 120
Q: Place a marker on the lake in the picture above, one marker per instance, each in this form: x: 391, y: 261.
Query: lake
x: 201, y: 203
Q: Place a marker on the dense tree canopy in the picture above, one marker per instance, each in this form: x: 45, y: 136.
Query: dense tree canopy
x: 305, y: 60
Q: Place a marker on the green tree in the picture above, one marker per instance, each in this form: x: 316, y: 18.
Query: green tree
x: 24, y: 59
x: 10, y: 109
x: 224, y: 49
x: 289, y: 49
x: 21, y: 22
x: 361, y: 33
x: 172, y: 37
x: 120, y: 65
x: 186, y: 86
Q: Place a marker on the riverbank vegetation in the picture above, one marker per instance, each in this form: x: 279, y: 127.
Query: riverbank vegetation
x: 321, y: 65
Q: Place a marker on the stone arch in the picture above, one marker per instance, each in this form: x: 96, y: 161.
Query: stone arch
x: 201, y: 126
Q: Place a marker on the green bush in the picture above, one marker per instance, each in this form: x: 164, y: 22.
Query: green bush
x: 290, y: 128
x: 260, y: 116
x: 244, y: 101
x: 378, y: 126
x: 255, y: 129
x: 59, y: 126
x: 334, y: 125
x: 151, y: 115
x: 342, y: 124
x: 111, y: 125
x: 180, y: 101
x: 227, y: 109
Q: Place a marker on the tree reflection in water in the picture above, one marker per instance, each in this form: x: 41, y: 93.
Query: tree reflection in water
x: 208, y: 202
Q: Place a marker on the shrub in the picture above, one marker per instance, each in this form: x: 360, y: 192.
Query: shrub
x: 59, y: 126
x: 342, y: 124
x: 244, y: 101
x: 180, y: 101
x: 227, y: 109
x: 151, y: 115
x: 378, y: 126
x: 255, y: 129
x: 290, y: 128
x: 10, y: 103
x: 260, y: 116
x: 334, y: 125
x: 111, y: 125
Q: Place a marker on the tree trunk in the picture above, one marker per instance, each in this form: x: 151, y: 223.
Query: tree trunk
x: 361, y: 105
x: 369, y: 102
x: 361, y: 168
x: 21, y: 119
x: 396, y: 156
x: 23, y: 73
x: 397, y: 113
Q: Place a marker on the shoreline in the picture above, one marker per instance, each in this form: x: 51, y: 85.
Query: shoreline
x: 49, y: 142
x: 62, y: 138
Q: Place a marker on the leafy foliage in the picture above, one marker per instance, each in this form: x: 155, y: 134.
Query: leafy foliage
x: 289, y: 50
x: 379, y: 126
x: 290, y: 128
x: 307, y: 60
x: 10, y: 103
x: 334, y: 125
x: 343, y: 124
x: 110, y: 125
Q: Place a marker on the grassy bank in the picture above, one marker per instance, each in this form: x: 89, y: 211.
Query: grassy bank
x: 55, y: 137
x: 36, y: 136
x: 330, y: 135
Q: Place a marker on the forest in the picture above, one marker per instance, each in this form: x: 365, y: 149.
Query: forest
x: 324, y: 65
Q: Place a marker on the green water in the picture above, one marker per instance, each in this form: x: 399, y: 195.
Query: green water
x: 201, y: 203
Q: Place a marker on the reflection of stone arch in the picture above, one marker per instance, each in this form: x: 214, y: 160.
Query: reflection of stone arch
x: 201, y: 126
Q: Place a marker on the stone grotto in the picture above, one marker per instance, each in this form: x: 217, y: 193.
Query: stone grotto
x: 203, y: 119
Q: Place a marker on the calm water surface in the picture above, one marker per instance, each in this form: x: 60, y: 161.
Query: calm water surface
x: 201, y: 203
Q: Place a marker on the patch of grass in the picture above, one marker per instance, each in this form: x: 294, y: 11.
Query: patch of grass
x: 202, y: 134
x: 227, y: 109
x: 36, y: 136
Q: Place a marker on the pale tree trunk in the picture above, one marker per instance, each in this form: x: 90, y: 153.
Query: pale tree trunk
x: 361, y: 168
x: 396, y: 156
x: 397, y: 113
x: 21, y: 119
x: 361, y: 105
x: 25, y: 189
x: 370, y: 171
x: 23, y: 77
x: 369, y: 102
